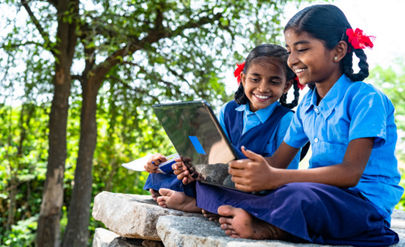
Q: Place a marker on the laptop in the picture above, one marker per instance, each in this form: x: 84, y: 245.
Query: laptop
x: 195, y: 133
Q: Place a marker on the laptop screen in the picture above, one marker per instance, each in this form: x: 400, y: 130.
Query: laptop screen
x: 197, y: 136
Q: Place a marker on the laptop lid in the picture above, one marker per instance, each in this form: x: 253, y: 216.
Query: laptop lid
x: 198, y: 138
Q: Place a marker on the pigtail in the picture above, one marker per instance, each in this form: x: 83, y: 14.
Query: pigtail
x: 347, y: 63
x: 294, y: 103
x: 240, y: 96
x: 363, y: 65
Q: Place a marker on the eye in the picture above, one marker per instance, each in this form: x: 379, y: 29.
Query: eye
x: 275, y: 82
x: 302, y: 49
x: 254, y: 79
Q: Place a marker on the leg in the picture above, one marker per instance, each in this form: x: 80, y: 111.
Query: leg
x: 177, y: 200
x: 238, y: 223
x: 155, y: 194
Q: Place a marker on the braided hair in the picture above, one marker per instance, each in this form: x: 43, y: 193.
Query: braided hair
x: 328, y: 23
x: 271, y: 51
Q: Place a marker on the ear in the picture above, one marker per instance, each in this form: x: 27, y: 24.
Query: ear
x: 288, y: 85
x: 243, y: 78
x: 339, y: 52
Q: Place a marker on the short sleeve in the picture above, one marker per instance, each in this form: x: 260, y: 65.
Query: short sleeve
x: 368, y: 112
x: 281, y: 132
x: 295, y: 136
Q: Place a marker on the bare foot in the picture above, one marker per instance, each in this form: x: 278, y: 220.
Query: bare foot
x: 210, y: 216
x: 238, y: 223
x: 177, y: 200
x: 155, y: 194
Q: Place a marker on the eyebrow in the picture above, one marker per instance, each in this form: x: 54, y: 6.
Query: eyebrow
x: 300, y: 43
x: 272, y: 77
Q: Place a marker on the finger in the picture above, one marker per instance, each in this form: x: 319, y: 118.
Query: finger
x: 157, y: 159
x: 251, y: 155
x: 238, y: 164
x: 243, y: 187
x: 177, y: 165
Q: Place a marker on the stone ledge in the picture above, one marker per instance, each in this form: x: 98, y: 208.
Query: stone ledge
x: 131, y: 216
x: 181, y: 231
x: 139, y: 217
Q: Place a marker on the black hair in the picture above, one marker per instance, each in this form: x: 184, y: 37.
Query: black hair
x: 329, y: 24
x: 273, y: 51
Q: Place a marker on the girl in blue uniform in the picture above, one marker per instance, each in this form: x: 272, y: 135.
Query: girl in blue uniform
x: 348, y: 193
x: 258, y: 118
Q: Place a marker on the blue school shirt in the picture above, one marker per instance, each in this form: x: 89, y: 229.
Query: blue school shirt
x: 254, y: 119
x: 352, y: 110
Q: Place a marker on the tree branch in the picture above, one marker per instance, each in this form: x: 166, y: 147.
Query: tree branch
x: 16, y: 45
x: 44, y: 34
x: 77, y: 77
x: 167, y: 83
x: 127, y: 86
x: 157, y: 33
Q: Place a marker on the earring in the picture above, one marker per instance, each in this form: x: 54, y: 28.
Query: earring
x: 335, y: 58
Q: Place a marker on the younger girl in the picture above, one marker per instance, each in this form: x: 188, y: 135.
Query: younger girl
x: 351, y: 188
x: 255, y: 118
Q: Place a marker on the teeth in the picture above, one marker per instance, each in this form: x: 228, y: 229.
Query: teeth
x: 299, y: 70
x: 262, y: 96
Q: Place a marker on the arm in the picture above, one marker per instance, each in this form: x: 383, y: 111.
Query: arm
x: 283, y: 155
x: 285, y: 122
x: 258, y: 175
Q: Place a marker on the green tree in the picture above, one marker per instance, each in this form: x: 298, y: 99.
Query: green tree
x: 128, y: 54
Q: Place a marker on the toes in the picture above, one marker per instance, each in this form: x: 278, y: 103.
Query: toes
x: 226, y: 210
x: 165, y: 192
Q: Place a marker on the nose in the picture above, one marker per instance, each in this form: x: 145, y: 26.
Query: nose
x: 292, y: 59
x: 263, y: 86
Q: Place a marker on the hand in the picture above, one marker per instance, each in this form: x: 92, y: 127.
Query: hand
x: 253, y: 174
x: 182, y: 172
x: 153, y: 163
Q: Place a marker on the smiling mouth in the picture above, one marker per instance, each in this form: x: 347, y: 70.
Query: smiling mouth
x: 298, y: 71
x: 262, y: 97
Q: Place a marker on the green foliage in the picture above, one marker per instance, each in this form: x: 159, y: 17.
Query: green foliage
x: 22, y: 173
x: 22, y: 234
x: 391, y: 81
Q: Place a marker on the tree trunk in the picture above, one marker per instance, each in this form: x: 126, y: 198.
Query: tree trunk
x: 48, y: 223
x: 52, y: 199
x: 76, y: 233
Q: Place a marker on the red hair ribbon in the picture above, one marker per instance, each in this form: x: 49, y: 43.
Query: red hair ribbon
x: 239, y: 70
x: 300, y: 86
x: 358, y: 39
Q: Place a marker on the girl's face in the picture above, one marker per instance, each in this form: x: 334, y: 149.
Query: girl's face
x: 264, y: 82
x: 310, y: 60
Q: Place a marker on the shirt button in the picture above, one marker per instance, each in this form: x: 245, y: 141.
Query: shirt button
x: 316, y: 110
x: 316, y: 140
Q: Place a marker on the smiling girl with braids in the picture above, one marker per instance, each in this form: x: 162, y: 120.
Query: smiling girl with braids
x: 347, y: 195
x: 258, y: 118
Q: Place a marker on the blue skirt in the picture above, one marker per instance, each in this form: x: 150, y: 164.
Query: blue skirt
x: 312, y: 212
x: 156, y: 181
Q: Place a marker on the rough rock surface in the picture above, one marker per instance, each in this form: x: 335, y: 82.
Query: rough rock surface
x: 131, y: 216
x: 136, y: 220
